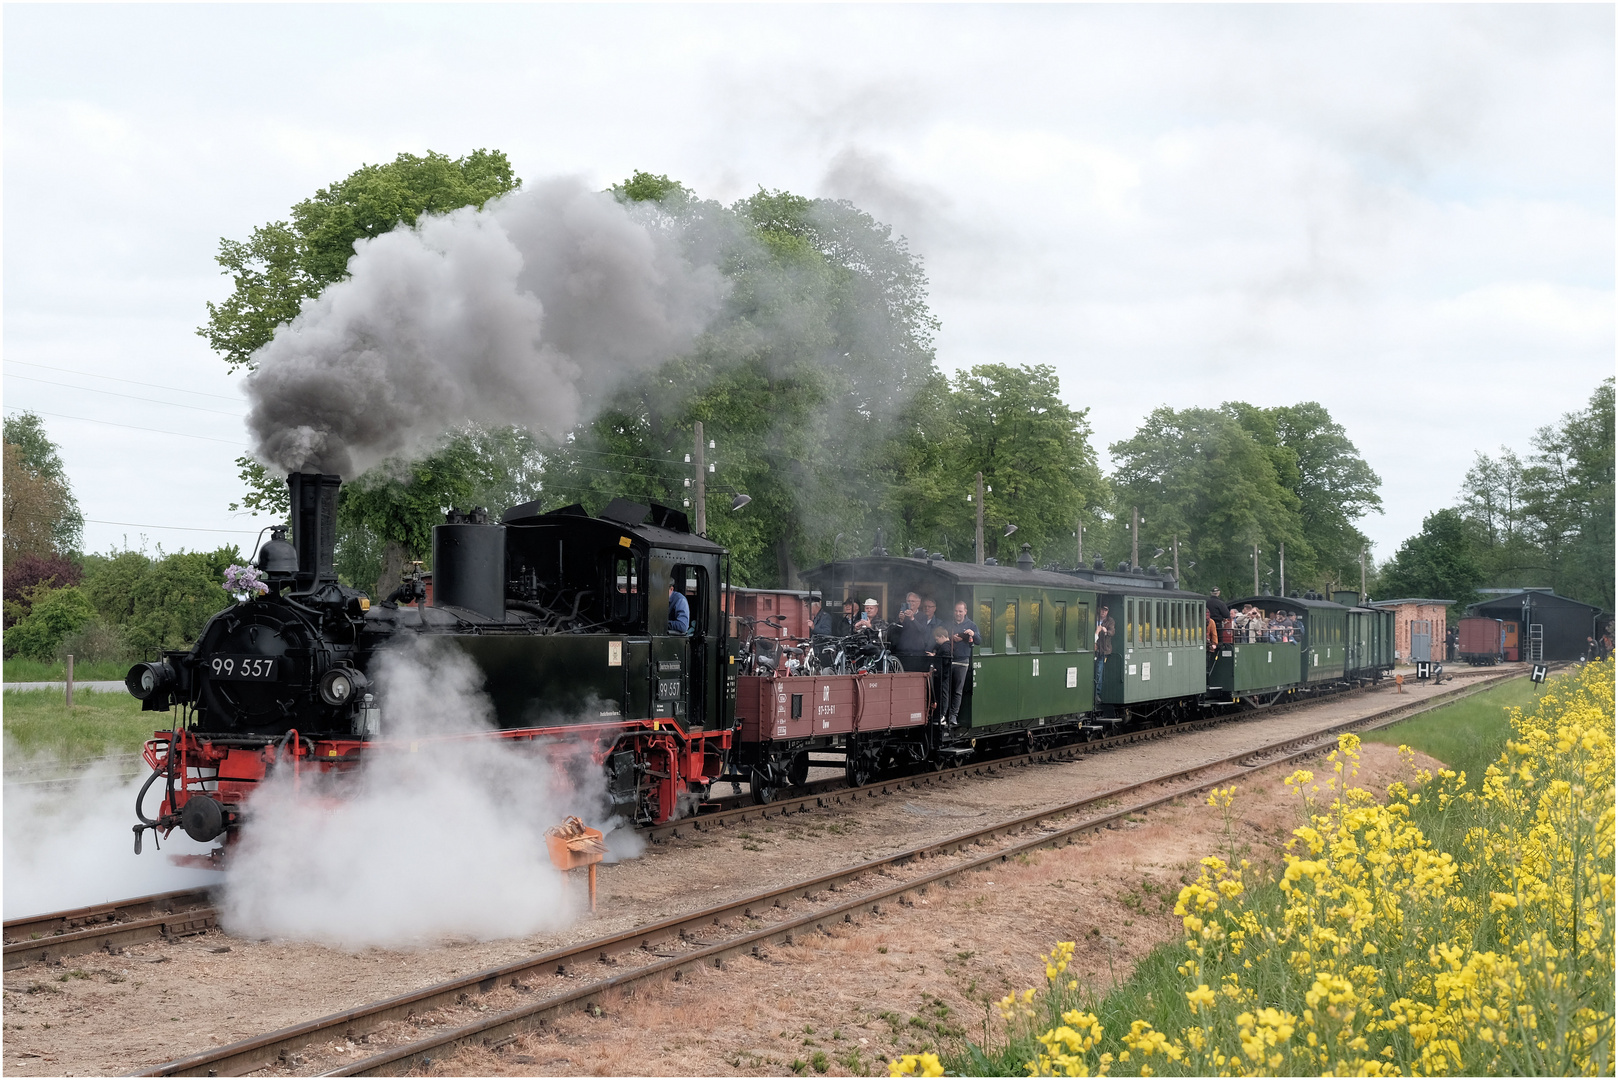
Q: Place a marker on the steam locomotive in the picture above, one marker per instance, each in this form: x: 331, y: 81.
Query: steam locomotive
x: 567, y: 618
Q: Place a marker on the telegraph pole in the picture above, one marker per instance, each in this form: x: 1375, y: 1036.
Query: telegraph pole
x: 1283, y: 569
x: 1134, y: 532
x: 1255, y: 569
x: 1362, y: 575
x: 1081, y: 545
x: 980, y: 519
x: 701, y: 485
x: 1176, y: 558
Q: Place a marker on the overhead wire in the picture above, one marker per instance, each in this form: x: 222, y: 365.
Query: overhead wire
x: 114, y: 378
x: 176, y: 528
x: 131, y: 427
x: 123, y: 394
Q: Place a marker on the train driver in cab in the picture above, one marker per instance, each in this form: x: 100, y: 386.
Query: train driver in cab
x: 679, y: 611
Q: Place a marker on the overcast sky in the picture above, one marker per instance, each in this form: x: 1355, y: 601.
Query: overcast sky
x: 1405, y: 213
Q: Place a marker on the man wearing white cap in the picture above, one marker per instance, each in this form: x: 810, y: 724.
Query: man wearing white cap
x: 869, y: 619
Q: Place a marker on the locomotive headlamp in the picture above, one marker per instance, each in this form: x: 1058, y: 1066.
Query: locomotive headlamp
x: 145, y: 680
x: 341, y: 685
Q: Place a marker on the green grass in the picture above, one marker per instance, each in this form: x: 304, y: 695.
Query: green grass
x: 37, y: 722
x: 1466, y: 736
x: 20, y: 670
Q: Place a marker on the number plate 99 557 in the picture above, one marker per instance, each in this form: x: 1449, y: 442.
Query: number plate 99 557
x: 250, y: 668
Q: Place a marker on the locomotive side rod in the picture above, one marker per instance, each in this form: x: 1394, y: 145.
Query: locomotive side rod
x: 256, y: 1053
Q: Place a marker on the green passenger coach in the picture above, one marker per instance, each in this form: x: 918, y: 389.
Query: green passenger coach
x: 1035, y: 659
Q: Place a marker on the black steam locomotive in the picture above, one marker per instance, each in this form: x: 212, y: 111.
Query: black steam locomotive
x: 566, y: 615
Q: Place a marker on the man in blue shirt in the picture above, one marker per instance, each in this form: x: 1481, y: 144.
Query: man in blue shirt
x: 679, y: 611
x: 964, y: 633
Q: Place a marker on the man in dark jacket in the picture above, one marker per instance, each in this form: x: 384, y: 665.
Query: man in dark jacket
x: 914, y: 640
x: 1217, y: 608
x: 820, y: 620
x: 963, y: 635
x: 1106, y: 630
x: 843, y: 625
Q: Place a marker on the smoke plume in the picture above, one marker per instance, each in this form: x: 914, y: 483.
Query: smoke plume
x: 437, y: 836
x: 523, y: 312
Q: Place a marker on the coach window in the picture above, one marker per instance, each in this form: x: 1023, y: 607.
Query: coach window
x: 985, y: 621
x: 1009, y: 618
x: 1145, y: 622
x: 1084, y: 632
x: 1059, y: 624
x: 1036, y: 630
x: 1179, y: 623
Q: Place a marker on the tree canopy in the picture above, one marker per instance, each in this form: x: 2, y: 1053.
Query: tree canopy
x: 1547, y: 518
x: 284, y: 263
x: 1436, y: 563
x: 42, y: 518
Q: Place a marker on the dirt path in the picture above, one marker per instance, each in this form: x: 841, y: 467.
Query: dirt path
x: 104, y: 1014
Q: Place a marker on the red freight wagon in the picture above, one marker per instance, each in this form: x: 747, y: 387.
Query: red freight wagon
x: 1482, y: 641
x: 870, y: 721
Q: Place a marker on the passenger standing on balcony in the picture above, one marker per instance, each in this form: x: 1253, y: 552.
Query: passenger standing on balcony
x: 1218, y: 610
x: 914, y: 639
x: 963, y: 634
x: 1105, y: 632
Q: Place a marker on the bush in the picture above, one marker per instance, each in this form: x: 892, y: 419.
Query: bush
x: 96, y: 642
x: 25, y: 573
x: 159, y: 603
x: 53, y: 615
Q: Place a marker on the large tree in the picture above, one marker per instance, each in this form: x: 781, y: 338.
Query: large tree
x: 284, y: 263
x: 1440, y: 562
x: 1200, y: 475
x: 42, y: 517
x: 1034, y: 451
x: 1315, y: 460
x: 816, y: 384
x: 1547, y: 519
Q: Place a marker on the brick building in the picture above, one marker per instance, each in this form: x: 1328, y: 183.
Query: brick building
x: 1418, y: 628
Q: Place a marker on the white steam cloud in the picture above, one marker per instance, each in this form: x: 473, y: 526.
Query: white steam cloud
x: 70, y: 846
x: 523, y: 312
x: 440, y: 835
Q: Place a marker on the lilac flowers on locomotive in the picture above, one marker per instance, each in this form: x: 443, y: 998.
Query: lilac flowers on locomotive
x: 244, y: 582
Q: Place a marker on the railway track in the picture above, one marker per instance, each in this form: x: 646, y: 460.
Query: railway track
x: 495, y: 1005
x: 107, y: 927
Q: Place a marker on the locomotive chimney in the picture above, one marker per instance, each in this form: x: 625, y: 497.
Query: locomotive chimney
x: 314, y: 527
